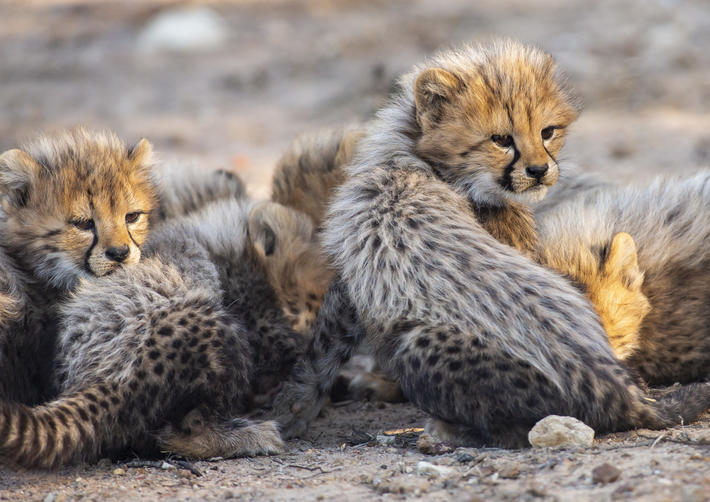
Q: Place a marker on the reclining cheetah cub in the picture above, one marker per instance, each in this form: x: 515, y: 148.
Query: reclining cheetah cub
x: 664, y: 292
x: 74, y: 205
x: 167, y: 354
x: 482, y: 338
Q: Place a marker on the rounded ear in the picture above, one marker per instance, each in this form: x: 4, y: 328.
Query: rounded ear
x: 622, y: 261
x: 432, y: 89
x: 261, y: 231
x: 141, y: 152
x: 18, y: 172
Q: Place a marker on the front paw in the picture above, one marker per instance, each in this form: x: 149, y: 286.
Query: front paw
x: 295, y: 407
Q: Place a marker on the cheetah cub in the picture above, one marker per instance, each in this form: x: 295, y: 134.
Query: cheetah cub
x: 166, y: 355
x: 74, y: 205
x: 482, y: 338
x: 664, y: 289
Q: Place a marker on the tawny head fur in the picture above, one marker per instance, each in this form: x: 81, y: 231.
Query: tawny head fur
x: 612, y: 279
x: 76, y: 204
x: 616, y: 294
x: 285, y: 242
x: 493, y: 120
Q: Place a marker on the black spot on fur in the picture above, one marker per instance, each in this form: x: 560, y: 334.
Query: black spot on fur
x: 165, y: 331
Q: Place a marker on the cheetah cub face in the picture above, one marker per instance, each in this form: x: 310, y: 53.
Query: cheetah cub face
x: 494, y: 128
x: 76, y: 204
x: 286, y: 244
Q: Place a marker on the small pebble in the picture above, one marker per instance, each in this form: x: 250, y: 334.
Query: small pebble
x: 464, y: 458
x: 51, y: 497
x: 605, y: 473
x: 104, y: 463
x: 119, y: 472
x: 427, y: 445
x: 435, y: 471
x: 556, y: 431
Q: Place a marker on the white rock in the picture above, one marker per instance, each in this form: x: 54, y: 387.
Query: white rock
x: 435, y: 471
x: 560, y: 431
x: 184, y: 29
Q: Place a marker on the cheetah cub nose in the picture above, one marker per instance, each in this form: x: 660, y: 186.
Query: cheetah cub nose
x: 536, y: 172
x: 118, y: 253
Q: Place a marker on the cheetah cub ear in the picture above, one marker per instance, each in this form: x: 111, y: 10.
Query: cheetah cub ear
x: 261, y: 229
x: 274, y: 228
x: 622, y: 261
x: 141, y: 154
x: 434, y: 88
x: 18, y: 172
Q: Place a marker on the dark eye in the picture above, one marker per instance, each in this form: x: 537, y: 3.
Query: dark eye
x: 133, y: 217
x: 83, y: 224
x: 547, y: 132
x: 504, y: 141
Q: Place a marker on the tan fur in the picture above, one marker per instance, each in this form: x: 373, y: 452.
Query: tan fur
x: 312, y: 168
x: 613, y: 285
x: 297, y: 267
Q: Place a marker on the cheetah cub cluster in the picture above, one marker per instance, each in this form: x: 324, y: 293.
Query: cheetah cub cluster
x: 472, y: 299
x: 149, y: 341
x: 426, y: 233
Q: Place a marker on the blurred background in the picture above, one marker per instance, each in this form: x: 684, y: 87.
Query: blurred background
x: 227, y: 84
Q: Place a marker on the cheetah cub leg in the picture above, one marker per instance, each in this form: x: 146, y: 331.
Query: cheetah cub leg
x: 198, y: 436
x: 374, y: 386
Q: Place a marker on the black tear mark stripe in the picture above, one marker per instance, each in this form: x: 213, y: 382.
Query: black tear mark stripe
x: 506, y: 181
x: 88, y: 252
x: 131, y: 236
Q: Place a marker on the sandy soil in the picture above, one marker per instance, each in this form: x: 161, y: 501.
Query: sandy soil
x: 642, y: 68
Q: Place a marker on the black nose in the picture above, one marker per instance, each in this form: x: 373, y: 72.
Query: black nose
x: 118, y: 253
x: 536, y: 172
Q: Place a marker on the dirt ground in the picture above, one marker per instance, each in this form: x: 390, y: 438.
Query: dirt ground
x: 283, y: 67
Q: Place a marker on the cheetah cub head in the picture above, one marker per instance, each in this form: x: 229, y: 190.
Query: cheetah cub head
x: 76, y: 204
x: 286, y: 244
x: 493, y: 121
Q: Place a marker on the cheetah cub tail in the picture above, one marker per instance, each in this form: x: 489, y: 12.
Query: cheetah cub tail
x: 74, y: 428
x: 679, y: 406
x: 64, y: 431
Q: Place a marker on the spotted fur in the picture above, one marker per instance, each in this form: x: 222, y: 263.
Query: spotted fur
x: 74, y: 205
x: 164, y: 355
x: 184, y: 188
x: 482, y: 338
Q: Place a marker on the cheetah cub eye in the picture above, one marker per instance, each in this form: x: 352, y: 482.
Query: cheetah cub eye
x: 548, y: 132
x: 502, y: 140
x: 83, y: 224
x: 133, y: 217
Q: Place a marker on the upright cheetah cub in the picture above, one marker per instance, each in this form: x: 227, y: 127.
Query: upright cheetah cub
x: 74, y: 205
x: 482, y: 338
